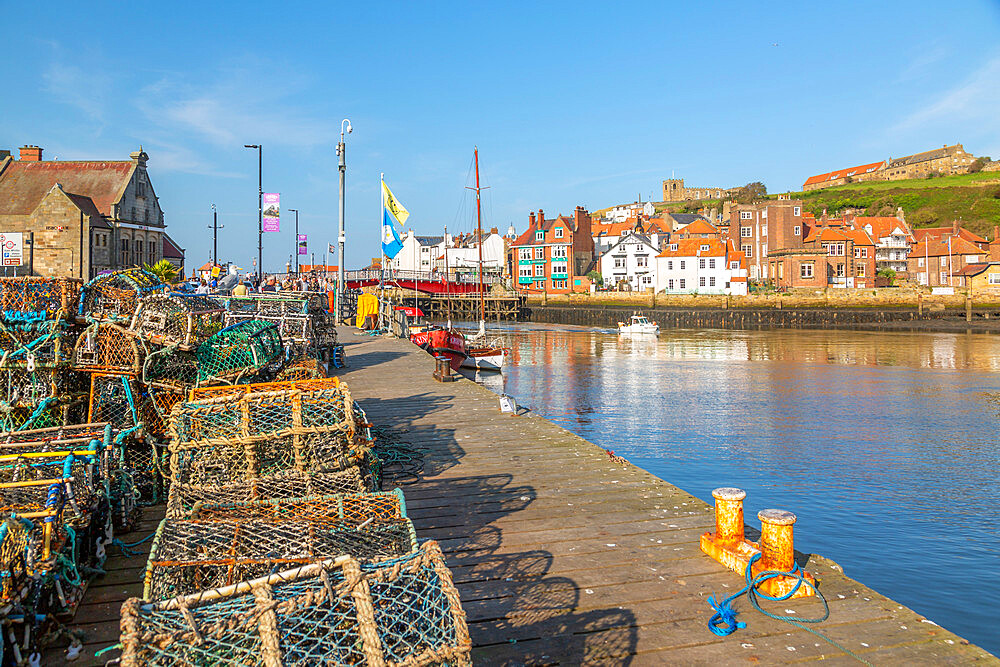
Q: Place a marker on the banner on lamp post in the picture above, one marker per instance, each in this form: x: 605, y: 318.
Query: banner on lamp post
x: 272, y: 212
x: 302, y: 244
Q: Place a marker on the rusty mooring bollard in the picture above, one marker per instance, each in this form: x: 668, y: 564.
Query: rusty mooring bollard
x: 442, y: 369
x: 776, y: 540
x: 729, y: 514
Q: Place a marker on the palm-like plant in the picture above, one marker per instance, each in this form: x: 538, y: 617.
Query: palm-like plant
x: 163, y: 270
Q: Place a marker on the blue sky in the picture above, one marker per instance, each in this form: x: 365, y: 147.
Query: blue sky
x: 570, y: 104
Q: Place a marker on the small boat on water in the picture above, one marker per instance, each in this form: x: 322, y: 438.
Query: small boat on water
x: 485, y: 357
x: 436, y: 340
x: 639, y: 324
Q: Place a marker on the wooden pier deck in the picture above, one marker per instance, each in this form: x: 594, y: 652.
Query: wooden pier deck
x: 563, y: 557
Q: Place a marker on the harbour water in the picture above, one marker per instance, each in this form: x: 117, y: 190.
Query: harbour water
x: 884, y: 444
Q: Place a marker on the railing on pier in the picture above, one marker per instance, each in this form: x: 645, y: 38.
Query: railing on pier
x: 396, y: 275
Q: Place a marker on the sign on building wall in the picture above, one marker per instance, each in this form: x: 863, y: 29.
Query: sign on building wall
x: 302, y: 244
x: 12, y: 246
x: 272, y: 212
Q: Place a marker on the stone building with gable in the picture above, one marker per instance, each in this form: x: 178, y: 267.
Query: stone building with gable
x: 80, y: 218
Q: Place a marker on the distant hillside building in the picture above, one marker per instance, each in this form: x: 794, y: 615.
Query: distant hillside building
x: 864, y: 172
x: 86, y: 216
x: 674, y: 190
x: 946, y: 160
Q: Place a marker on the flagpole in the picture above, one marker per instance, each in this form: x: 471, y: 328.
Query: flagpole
x: 381, y: 223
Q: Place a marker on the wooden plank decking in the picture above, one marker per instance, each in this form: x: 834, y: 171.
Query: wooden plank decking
x: 561, y: 556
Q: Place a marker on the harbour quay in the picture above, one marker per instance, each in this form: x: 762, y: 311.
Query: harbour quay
x: 565, y: 554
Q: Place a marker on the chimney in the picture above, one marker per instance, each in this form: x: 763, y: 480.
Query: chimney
x: 954, y: 227
x: 31, y: 154
x: 541, y: 218
x: 996, y: 233
x: 531, y: 220
x: 494, y: 230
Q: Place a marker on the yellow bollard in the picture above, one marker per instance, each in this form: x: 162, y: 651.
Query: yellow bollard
x: 778, y: 554
x: 729, y: 514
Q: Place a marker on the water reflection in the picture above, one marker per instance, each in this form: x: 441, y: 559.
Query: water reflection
x: 884, y: 444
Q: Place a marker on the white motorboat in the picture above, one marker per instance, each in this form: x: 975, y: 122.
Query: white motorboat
x: 484, y: 358
x: 639, y: 324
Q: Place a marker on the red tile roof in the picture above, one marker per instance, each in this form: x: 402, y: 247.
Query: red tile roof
x: 24, y: 184
x: 86, y: 204
x: 931, y: 247
x: 972, y: 269
x: 528, y: 237
x: 171, y: 249
x: 692, y: 248
x: 882, y: 226
x: 941, y: 232
x: 698, y: 227
x: 844, y: 173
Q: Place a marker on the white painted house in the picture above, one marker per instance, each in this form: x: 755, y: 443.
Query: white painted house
x: 702, y: 266
x: 625, y: 211
x: 418, y: 253
x: 630, y: 262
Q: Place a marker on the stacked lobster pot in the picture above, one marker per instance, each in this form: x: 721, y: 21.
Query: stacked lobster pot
x: 274, y: 516
x: 56, y: 496
x: 306, y: 327
x: 39, y: 388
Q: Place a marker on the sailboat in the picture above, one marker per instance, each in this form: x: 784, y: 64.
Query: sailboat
x: 482, y: 354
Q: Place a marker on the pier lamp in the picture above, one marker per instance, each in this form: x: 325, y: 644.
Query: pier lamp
x: 260, y: 208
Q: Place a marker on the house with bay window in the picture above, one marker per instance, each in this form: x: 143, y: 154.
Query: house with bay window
x: 628, y: 264
x: 554, y: 255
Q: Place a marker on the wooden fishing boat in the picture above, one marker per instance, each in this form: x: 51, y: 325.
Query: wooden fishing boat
x: 438, y: 342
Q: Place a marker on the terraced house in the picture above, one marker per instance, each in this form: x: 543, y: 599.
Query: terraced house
x: 554, y: 255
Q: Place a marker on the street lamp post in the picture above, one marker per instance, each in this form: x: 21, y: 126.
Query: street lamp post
x: 296, y: 211
x: 260, y: 208
x: 342, y: 153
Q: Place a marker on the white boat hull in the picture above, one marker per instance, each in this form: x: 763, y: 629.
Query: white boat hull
x: 487, y: 362
x: 639, y: 329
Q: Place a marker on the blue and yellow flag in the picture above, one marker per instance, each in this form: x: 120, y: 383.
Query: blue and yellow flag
x: 392, y: 205
x: 391, y: 243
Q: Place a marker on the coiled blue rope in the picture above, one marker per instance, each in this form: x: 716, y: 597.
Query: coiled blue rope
x: 723, y: 622
x: 127, y: 549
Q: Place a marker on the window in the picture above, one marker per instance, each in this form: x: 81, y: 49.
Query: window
x: 425, y: 250
x: 673, y: 246
x: 524, y: 271
x: 539, y: 270
x: 994, y: 279
x: 747, y: 250
x: 734, y: 265
x: 796, y: 230
x: 524, y: 253
x: 711, y: 281
x: 701, y: 281
x: 746, y: 232
x: 619, y: 262
x: 971, y: 259
x: 641, y: 260
x: 682, y: 265
x: 133, y: 218
x: 796, y: 210
x: 711, y: 263
x: 860, y: 270
x: 682, y: 281
x: 920, y: 262
x: 746, y: 215
x: 539, y: 253
x: 763, y: 230
x: 559, y: 267
x: 704, y: 247
x: 558, y: 251
x: 763, y: 250
x: 558, y: 232
x: 670, y: 265
x: 701, y: 263
x: 806, y: 270
x: 944, y: 277
x: 539, y: 235
x: 840, y: 270
x: 145, y: 215
x: 670, y: 283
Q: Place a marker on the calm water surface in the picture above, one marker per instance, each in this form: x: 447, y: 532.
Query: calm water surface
x: 883, y: 444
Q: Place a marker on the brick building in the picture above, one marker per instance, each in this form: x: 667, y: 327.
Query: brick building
x: 85, y: 216
x: 833, y: 255
x: 554, y: 255
x: 941, y: 261
x: 755, y: 228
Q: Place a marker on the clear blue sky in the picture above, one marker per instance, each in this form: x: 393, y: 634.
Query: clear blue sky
x: 571, y: 104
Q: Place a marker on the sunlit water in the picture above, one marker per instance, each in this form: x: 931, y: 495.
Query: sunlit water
x: 883, y: 444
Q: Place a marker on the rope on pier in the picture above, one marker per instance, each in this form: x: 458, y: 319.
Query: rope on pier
x: 723, y: 622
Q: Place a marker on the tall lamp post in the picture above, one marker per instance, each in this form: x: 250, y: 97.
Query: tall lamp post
x: 342, y: 153
x: 260, y: 208
x: 296, y: 212
x: 215, y: 227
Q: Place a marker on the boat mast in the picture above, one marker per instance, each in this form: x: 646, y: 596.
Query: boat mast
x: 479, y: 232
x: 447, y: 275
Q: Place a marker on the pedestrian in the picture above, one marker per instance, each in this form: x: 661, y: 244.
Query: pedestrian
x: 202, y: 287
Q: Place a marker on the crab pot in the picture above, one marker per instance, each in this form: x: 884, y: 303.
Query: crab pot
x: 115, y: 296
x: 46, y: 296
x: 37, y: 343
x: 406, y: 612
x: 239, y: 350
x: 106, y: 347
x: 171, y: 319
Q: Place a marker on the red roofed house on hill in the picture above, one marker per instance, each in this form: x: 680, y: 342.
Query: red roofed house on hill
x: 86, y: 216
x: 554, y: 255
x: 864, y: 172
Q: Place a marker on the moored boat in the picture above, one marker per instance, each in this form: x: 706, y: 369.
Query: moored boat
x: 442, y: 342
x: 485, y: 358
x: 639, y: 324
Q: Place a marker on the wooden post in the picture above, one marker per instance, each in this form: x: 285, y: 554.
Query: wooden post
x: 652, y: 299
x: 968, y: 305
x: 920, y: 303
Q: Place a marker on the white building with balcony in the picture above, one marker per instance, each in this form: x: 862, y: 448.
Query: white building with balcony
x: 893, y: 240
x: 628, y: 264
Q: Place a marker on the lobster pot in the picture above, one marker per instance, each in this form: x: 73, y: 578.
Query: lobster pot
x: 335, y: 612
x: 185, y: 321
x: 302, y: 368
x: 36, y: 343
x: 115, y: 296
x: 317, y: 384
x: 183, y: 499
x: 59, y: 437
x: 63, y: 410
x: 46, y: 296
x: 189, y: 556
x: 108, y: 348
x: 235, y: 439
x: 22, y: 388
x: 170, y: 369
x: 113, y: 399
x: 270, y: 305
x: 238, y: 350
x: 154, y: 411
x: 333, y: 509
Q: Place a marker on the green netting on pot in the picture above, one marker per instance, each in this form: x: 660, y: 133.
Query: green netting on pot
x: 61, y: 410
x: 21, y: 388
x: 115, y: 296
x: 191, y: 555
x: 170, y: 369
x: 175, y: 319
x: 36, y: 342
x: 183, y: 499
x: 336, y: 612
x: 238, y: 350
x: 29, y: 295
x: 233, y: 439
